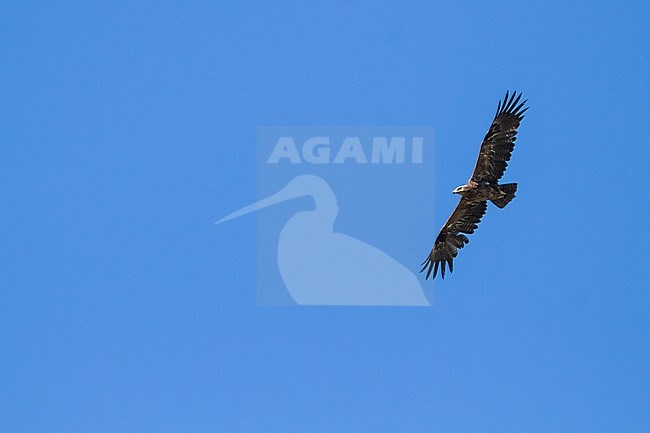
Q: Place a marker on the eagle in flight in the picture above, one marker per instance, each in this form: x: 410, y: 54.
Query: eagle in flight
x: 492, y: 162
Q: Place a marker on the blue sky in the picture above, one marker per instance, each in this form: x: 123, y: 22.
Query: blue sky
x: 128, y: 128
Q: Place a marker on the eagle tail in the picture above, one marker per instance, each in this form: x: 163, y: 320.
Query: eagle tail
x: 507, y: 194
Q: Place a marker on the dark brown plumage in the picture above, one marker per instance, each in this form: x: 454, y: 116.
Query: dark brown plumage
x: 494, y: 154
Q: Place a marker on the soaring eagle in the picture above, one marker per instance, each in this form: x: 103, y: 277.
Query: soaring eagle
x: 493, y: 158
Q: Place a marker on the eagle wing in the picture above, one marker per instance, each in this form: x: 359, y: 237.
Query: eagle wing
x: 499, y: 142
x: 464, y: 219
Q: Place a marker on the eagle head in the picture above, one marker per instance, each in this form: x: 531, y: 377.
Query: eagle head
x: 461, y: 189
